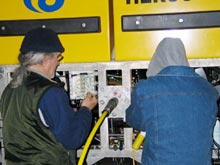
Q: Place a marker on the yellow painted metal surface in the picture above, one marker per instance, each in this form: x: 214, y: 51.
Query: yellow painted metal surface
x: 80, y: 47
x: 140, y: 45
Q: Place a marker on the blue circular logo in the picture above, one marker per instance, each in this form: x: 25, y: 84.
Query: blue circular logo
x: 44, y: 6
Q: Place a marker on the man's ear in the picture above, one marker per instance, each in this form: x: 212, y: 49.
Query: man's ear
x: 46, y: 59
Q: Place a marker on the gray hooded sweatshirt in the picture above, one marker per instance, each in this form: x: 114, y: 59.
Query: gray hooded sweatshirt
x: 169, y: 52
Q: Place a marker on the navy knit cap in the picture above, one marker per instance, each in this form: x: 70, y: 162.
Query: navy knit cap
x: 41, y: 40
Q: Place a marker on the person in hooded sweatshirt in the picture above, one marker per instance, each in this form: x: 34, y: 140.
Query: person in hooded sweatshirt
x: 175, y: 107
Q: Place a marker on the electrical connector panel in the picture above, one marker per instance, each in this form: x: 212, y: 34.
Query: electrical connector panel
x: 106, y: 80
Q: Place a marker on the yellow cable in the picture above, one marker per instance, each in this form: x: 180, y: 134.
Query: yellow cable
x: 137, y: 143
x: 139, y: 140
x: 91, y: 135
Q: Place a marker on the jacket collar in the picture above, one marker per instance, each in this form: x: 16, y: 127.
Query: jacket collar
x: 177, y: 71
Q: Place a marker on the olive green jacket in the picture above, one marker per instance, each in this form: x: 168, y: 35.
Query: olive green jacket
x: 26, y: 139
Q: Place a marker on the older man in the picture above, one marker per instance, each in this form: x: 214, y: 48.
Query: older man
x: 39, y: 125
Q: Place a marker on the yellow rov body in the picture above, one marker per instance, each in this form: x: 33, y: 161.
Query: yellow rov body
x: 123, y: 30
x: 141, y: 25
x: 83, y: 27
x: 108, y: 46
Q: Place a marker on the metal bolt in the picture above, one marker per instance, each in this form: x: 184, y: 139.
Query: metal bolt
x: 83, y: 25
x: 180, y: 20
x: 3, y: 28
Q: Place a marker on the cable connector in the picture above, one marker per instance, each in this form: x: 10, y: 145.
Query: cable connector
x: 139, y: 140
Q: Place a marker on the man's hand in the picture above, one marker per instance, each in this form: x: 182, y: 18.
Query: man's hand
x: 90, y: 101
